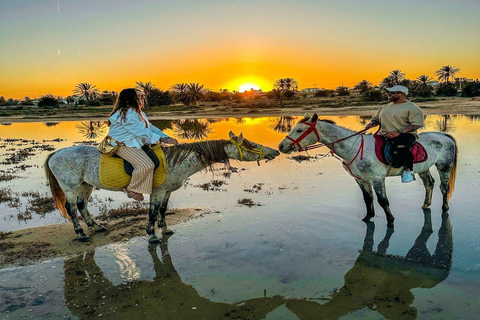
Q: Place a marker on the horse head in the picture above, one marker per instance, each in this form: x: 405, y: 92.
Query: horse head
x: 302, y: 135
x: 245, y: 150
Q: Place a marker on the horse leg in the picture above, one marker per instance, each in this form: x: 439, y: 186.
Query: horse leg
x: 381, y: 192
x: 368, y: 198
x: 71, y: 207
x: 156, y: 202
x: 163, y: 209
x: 428, y: 182
x: 82, y: 201
x: 444, y: 186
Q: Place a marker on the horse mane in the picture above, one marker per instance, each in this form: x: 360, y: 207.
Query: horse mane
x: 207, y: 152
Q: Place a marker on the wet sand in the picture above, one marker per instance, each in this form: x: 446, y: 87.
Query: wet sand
x: 41, y: 243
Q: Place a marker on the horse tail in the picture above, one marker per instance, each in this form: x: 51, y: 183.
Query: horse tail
x: 453, y: 171
x: 57, y: 192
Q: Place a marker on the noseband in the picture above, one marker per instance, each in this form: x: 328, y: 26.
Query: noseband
x: 241, y: 147
x: 312, y: 128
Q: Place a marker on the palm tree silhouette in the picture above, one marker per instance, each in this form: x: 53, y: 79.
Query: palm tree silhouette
x: 446, y: 72
x: 85, y: 90
x: 286, y: 84
x: 424, y: 84
x: 363, y: 86
x: 397, y: 76
x: 147, y: 89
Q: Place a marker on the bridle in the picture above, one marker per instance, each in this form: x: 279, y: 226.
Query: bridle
x: 241, y: 147
x: 313, y: 128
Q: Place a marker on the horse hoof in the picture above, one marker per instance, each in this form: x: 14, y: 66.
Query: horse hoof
x: 154, y: 239
x: 100, y: 228
x: 425, y: 206
x: 367, y: 219
x: 83, y: 238
x: 167, y: 231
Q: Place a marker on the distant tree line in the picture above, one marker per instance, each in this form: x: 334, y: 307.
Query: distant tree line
x: 191, y: 94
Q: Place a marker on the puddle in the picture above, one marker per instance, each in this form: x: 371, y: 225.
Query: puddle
x: 303, y: 253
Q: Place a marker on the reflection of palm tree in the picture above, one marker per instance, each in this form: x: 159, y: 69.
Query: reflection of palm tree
x: 446, y: 72
x: 443, y: 123
x: 91, y: 129
x: 283, y: 124
x: 86, y: 91
x: 51, y: 124
x: 166, y: 296
x: 384, y: 282
x: 239, y: 120
x: 191, y: 129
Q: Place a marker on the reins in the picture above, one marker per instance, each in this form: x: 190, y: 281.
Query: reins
x: 332, y: 144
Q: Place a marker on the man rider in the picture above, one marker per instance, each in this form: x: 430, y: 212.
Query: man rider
x: 399, y: 121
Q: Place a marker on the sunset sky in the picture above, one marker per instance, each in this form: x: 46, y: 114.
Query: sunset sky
x: 49, y: 46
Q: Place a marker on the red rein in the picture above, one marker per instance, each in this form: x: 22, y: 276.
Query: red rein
x: 314, y: 129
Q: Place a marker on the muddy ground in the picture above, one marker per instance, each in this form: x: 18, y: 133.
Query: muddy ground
x: 41, y: 243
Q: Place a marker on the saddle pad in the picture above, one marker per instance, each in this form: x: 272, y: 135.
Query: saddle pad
x: 418, y: 151
x: 113, y: 175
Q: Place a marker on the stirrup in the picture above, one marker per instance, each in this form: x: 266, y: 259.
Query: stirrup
x: 133, y: 195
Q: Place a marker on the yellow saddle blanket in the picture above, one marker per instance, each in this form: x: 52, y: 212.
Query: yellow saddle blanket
x: 112, y: 173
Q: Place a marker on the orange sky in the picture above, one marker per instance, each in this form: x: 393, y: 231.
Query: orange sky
x: 51, y: 47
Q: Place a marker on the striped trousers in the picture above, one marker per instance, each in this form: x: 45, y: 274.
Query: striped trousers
x: 143, y: 167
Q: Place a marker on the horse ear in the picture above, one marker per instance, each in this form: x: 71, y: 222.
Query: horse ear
x: 240, y: 138
x: 231, y: 134
x: 314, y: 118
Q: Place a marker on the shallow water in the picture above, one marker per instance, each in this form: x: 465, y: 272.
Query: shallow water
x: 301, y: 253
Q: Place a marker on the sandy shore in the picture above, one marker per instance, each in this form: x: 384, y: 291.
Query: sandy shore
x: 455, y: 105
x: 41, y: 243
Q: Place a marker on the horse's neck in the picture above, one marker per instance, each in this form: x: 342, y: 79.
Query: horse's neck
x: 330, y: 132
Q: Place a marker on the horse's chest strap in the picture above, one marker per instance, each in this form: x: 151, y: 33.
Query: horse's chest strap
x: 359, y: 153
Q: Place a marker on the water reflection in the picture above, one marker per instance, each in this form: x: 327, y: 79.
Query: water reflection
x: 92, y: 129
x: 284, y: 124
x: 191, y: 129
x: 383, y: 282
x: 90, y: 294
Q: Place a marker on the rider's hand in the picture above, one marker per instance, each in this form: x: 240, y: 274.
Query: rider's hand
x: 371, y: 125
x: 392, y: 134
x: 171, y: 141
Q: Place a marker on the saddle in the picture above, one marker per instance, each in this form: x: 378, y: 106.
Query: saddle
x: 115, y: 172
x: 387, y: 154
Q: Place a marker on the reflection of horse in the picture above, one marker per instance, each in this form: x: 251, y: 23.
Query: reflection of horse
x: 384, y: 282
x: 88, y: 293
x: 73, y: 172
x: 359, y: 159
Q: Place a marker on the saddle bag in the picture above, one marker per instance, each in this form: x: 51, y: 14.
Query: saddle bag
x: 107, y: 148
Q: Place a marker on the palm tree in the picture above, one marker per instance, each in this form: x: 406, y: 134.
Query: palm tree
x: 85, y: 90
x: 147, y: 89
x: 278, y: 94
x: 363, y: 86
x: 424, y: 85
x: 397, y: 76
x: 194, y: 93
x: 289, y: 84
x: 179, y: 87
x: 446, y: 72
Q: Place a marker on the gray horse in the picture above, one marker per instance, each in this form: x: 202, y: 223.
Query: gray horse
x: 359, y: 159
x: 73, y: 173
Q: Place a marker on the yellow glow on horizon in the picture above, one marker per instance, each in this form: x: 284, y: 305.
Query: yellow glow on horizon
x: 248, y: 87
x: 247, y: 82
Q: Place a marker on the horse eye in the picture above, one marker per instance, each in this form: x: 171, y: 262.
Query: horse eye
x: 299, y: 130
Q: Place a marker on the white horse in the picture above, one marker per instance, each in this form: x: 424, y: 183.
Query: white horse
x: 359, y: 159
x: 73, y: 173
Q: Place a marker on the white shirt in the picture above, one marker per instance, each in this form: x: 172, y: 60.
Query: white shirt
x: 133, y: 131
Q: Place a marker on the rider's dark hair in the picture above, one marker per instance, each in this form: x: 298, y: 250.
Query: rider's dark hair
x: 128, y: 98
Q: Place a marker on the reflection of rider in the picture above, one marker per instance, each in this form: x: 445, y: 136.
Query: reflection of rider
x: 89, y: 293
x: 129, y: 124
x: 384, y: 282
x: 399, y: 122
